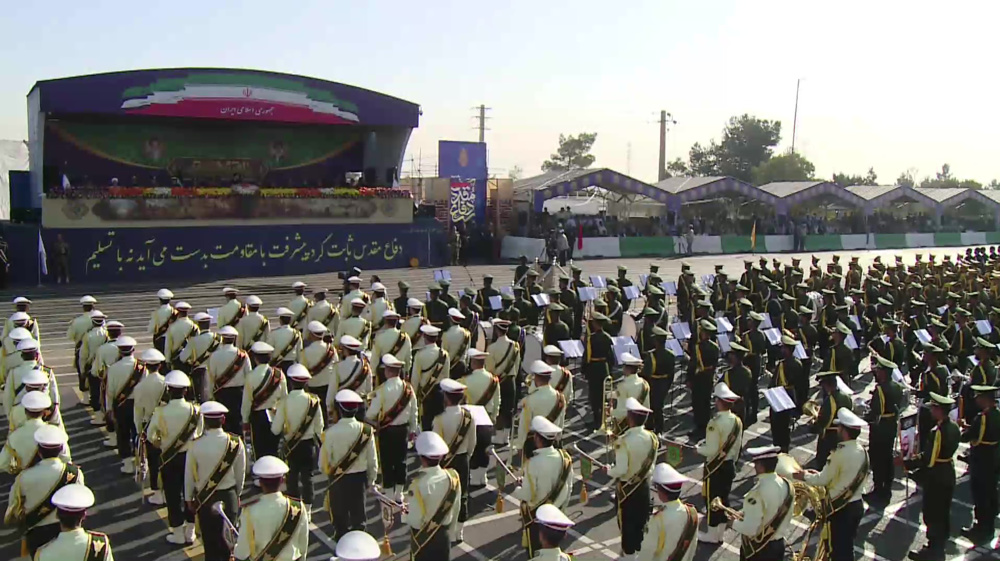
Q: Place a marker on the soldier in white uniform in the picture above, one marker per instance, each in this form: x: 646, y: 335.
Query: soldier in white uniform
x: 194, y: 356
x: 721, y: 448
x: 177, y: 335
x: 123, y: 377
x: 148, y: 394
x: 286, y: 340
x: 504, y: 361
x: 227, y: 371
x: 392, y: 341
x: 275, y: 526
x: 458, y: 429
x: 254, y: 326
x: 430, y: 366
x: 320, y: 358
x: 349, y: 461
x: 299, y: 306
x: 161, y: 319
x: 264, y: 386
x: 21, y: 318
x: 105, y: 354
x: 378, y: 306
x: 353, y: 372
x: 482, y: 388
x: 352, y: 293
x: 78, y: 329
x: 631, y: 385
x: 298, y: 424
x: 233, y: 310
x: 670, y: 533
x: 544, y: 401
x: 97, y: 336
x: 74, y: 543
x: 635, y: 455
x: 19, y: 452
x: 357, y: 546
x: 15, y: 387
x: 323, y: 311
x: 172, y: 429
x: 549, y: 479
x: 354, y: 324
x: 844, y: 477
x: 35, y: 381
x: 552, y: 528
x: 33, y: 488
x: 434, y: 497
x: 456, y: 340
x: 214, y: 471
x: 767, y: 509
x: 562, y: 378
x: 414, y: 320
x: 393, y: 413
x: 9, y: 357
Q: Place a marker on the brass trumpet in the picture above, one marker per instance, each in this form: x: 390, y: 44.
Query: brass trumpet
x: 811, y: 409
x: 731, y: 513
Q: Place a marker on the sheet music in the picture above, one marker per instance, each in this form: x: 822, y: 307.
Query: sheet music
x: 642, y: 281
x: 442, y: 274
x: 508, y: 290
x: 631, y: 292
x: 541, y: 300
x: 723, y: 325
x: 496, y: 302
x: 942, y: 310
x: 674, y: 346
x: 214, y: 312
x: 766, y: 324
x: 681, y: 330
x: 984, y: 327
x: 778, y: 399
x: 598, y: 281
x: 923, y: 335
x: 571, y: 348
x: 624, y: 345
x: 851, y: 342
x: 855, y: 321
x: 670, y: 288
x: 843, y: 387
x: 723, y: 342
x: 800, y: 352
x: 773, y: 336
x: 479, y: 415
x: 587, y: 293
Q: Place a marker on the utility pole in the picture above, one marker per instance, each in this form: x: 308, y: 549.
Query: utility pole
x: 665, y: 118
x: 795, y: 117
x: 482, y: 122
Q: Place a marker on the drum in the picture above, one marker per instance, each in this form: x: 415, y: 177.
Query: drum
x: 532, y: 347
x: 629, y: 327
x: 483, y: 333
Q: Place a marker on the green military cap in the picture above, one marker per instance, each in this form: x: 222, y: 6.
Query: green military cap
x: 837, y: 276
x: 985, y: 390
x: 826, y: 374
x: 980, y: 342
x: 802, y: 285
x: 468, y: 293
x: 433, y: 286
x: 721, y: 273
x: 789, y: 341
x: 687, y: 272
x: 653, y: 267
x: 704, y: 304
x: 856, y: 291
x: 748, y: 261
x: 890, y: 322
x: 657, y: 330
x: 885, y: 283
x: 487, y: 276
x: 507, y: 297
x: 403, y: 284
x: 518, y: 288
x: 745, y: 302
x: 917, y: 303
x: 828, y: 292
x: 553, y: 292
x: 886, y: 363
x: 614, y: 289
x: 708, y: 325
x: 719, y: 267
x: 575, y: 269
x: 741, y: 287
x: 840, y: 308
x: 444, y: 282
x: 685, y: 267
x: 994, y: 310
x: 788, y: 297
x: 734, y: 346
x: 953, y: 295
x: 843, y: 328
x: 598, y: 316
x: 622, y: 269
x: 653, y: 291
x: 932, y: 348
x: 935, y: 321
x: 884, y: 302
x: 600, y: 304
x: 611, y: 282
x: 941, y: 400
x: 756, y: 317
x: 649, y: 312
x: 563, y: 278
x: 557, y: 307
x: 962, y: 311
x: 654, y: 276
x: 532, y: 273
x: 805, y: 310
x: 915, y: 285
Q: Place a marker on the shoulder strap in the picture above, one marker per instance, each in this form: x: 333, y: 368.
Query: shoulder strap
x: 389, y: 415
x: 238, y: 361
x: 226, y: 461
x: 267, y: 386
x: 70, y: 474
x: 183, y: 436
x: 324, y: 360
x: 459, y: 437
x: 420, y: 538
x: 98, y: 547
x: 293, y: 440
x: 352, y: 454
x: 284, y: 533
x: 687, y: 534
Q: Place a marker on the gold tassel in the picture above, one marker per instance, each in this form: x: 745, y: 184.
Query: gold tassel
x: 24, y: 547
x: 584, y: 496
x: 499, y: 505
x: 386, y: 547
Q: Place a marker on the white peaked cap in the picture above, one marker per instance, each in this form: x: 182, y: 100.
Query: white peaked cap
x: 453, y: 312
x: 50, y: 436
x: 261, y: 348
x: 269, y: 467
x: 228, y: 331
x: 348, y: 397
x: 414, y: 303
x: 36, y: 401
x: 182, y: 306
x: 316, y: 327
x: 545, y: 427
x: 34, y: 378
x: 354, y: 280
x: 177, y: 379
x: 19, y: 334
x: 299, y: 284
x: 357, y: 546
x: 430, y: 330
x: 23, y: 316
x: 358, y: 302
x: 665, y: 475
x: 97, y: 314
x: 254, y: 300
x: 391, y: 361
x: 88, y: 299
x: 763, y: 452
x: 75, y: 497
x: 847, y: 418
x: 539, y: 367
x: 629, y: 359
x: 27, y: 345
x: 389, y: 314
x: 164, y: 294
x: 476, y: 353
x: 229, y: 289
x: 378, y: 287
x: 152, y: 356
x: 115, y: 324
x: 202, y: 316
x: 298, y: 372
x: 632, y: 405
x: 449, y: 385
x: 350, y: 342
x: 552, y: 350
x: 284, y: 312
x: 213, y: 409
x: 125, y: 341
x: 21, y: 300
x: 550, y: 516
x: 431, y: 445
x: 723, y: 392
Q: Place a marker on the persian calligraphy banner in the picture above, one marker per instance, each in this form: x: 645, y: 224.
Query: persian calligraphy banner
x: 466, y: 161
x: 202, y: 253
x: 462, y: 205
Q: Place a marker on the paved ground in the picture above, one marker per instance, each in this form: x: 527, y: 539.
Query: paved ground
x: 137, y: 530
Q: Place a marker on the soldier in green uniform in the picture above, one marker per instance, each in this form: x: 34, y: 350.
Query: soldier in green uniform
x: 646, y: 341
x: 658, y: 371
x: 740, y: 381
x: 556, y: 330
x: 569, y: 299
x: 483, y: 298
x: 983, y: 434
x: 883, y: 423
x: 787, y: 374
x: 399, y: 304
x: 889, y: 346
x: 524, y: 306
x: 705, y: 360
x: 982, y: 374
x: 823, y: 427
x: 840, y: 359
x: 445, y: 296
x: 575, y: 285
x: 531, y: 311
x: 935, y: 470
x: 622, y: 282
x: 436, y: 309
x: 521, y: 271
x: 756, y: 345
x: 962, y: 341
x: 598, y: 358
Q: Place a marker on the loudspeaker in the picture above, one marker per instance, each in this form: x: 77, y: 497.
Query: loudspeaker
x: 370, y: 177
x: 390, y: 176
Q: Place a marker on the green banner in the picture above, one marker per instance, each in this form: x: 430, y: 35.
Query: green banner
x: 890, y: 241
x: 824, y: 243
x: 643, y: 247
x: 947, y: 239
x: 739, y: 244
x: 992, y: 237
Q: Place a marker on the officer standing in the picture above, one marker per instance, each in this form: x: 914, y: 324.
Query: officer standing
x: 354, y: 324
x: 504, y: 361
x: 392, y: 341
x: 233, y: 310
x: 123, y: 378
x: 148, y: 394
x: 214, y: 471
x: 322, y: 311
x: 706, y: 358
x: 658, y: 371
x: 178, y: 333
x: 161, y: 319
x: 635, y: 455
x: 436, y: 310
x: 349, y: 460
x: 456, y: 341
x: 598, y: 358
x: 561, y: 379
x: 254, y: 326
x: 740, y: 380
x: 827, y: 434
x: 430, y: 366
x: 299, y: 305
x: 320, y: 359
x: 77, y: 330
x: 97, y: 336
x: 883, y: 420
x: 415, y: 319
x: 264, y: 386
x: 458, y: 430
x: 393, y: 413
x: 353, y: 372
x: 767, y: 510
x: 286, y: 340
x: 275, y: 526
x: 982, y: 374
x: 73, y: 542
x: 35, y: 381
x: 483, y: 296
x: 298, y: 424
x: 631, y: 385
x: 227, y: 372
x: 548, y: 479
x: 194, y: 356
x: 983, y: 434
x: 787, y: 376
x: 670, y: 533
x: 544, y: 401
x: 172, y: 429
x: 723, y: 441
x: 933, y: 380
x: 402, y: 302
x: 437, y: 491
x: 482, y: 388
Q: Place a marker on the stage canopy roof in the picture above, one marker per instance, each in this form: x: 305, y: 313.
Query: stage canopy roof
x: 949, y: 197
x: 879, y: 196
x: 795, y: 193
x: 548, y: 185
x: 690, y: 189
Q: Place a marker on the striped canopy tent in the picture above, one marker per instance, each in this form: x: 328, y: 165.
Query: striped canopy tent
x: 696, y: 189
x: 540, y: 188
x: 881, y: 196
x: 805, y: 194
x: 955, y: 201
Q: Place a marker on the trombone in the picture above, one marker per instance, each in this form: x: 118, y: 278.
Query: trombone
x: 230, y: 534
x: 731, y: 513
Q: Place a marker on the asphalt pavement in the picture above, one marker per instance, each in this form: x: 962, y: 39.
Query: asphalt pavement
x: 138, y: 530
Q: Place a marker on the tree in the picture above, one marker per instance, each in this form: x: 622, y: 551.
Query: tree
x: 845, y: 180
x: 515, y: 172
x: 747, y: 142
x: 573, y: 153
x: 790, y: 166
x: 702, y: 161
x: 945, y: 180
x: 906, y: 179
x: 993, y: 184
x: 677, y: 167
x: 871, y: 178
x: 945, y: 173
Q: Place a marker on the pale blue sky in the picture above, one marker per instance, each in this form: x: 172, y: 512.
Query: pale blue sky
x: 896, y: 85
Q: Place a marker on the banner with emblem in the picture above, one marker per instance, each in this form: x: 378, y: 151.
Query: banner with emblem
x: 466, y: 162
x: 462, y: 204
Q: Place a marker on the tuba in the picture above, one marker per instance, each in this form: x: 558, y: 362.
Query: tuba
x: 806, y: 497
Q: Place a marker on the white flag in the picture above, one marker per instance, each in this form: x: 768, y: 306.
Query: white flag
x: 42, y: 257
x: 65, y: 182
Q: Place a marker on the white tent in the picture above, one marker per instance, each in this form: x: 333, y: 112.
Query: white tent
x: 13, y: 156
